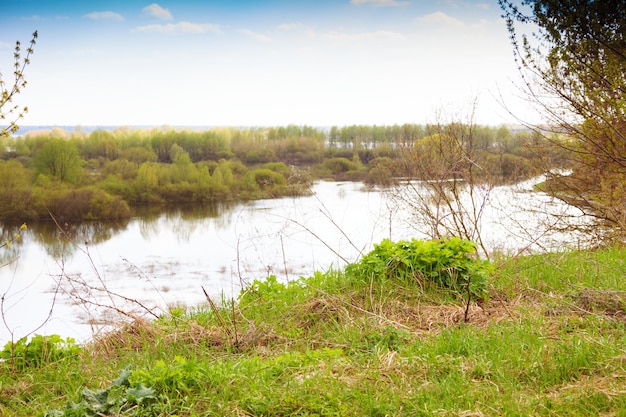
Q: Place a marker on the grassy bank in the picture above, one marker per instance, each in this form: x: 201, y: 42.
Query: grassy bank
x: 549, y: 341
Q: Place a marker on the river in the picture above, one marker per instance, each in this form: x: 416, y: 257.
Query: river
x: 155, y: 262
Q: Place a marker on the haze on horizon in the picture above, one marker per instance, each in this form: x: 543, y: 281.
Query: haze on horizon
x: 261, y: 63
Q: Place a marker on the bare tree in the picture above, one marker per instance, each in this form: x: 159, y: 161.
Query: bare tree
x: 444, y: 182
x: 9, y: 91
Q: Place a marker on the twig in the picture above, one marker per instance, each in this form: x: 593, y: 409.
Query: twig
x: 219, y: 317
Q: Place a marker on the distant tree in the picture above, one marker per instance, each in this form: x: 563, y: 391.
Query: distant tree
x: 574, y: 71
x: 9, y: 91
x: 60, y: 160
x: 15, y: 193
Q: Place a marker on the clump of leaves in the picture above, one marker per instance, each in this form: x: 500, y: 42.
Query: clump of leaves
x: 270, y: 290
x: 449, y: 263
x: 119, y: 397
x: 38, y: 351
x: 177, y: 376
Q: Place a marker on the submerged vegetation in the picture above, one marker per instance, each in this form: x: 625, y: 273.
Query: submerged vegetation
x: 105, y: 174
x: 548, y: 341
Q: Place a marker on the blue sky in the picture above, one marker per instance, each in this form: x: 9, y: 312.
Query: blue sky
x: 261, y: 63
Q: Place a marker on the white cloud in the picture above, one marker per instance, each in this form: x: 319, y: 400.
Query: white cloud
x: 257, y: 36
x: 448, y: 22
x: 157, y: 11
x: 483, y: 6
x: 181, y: 27
x: 104, y: 16
x: 440, y: 19
x: 289, y: 26
x: 380, y: 2
x: 339, y: 38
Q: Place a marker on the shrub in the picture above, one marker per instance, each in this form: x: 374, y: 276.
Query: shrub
x: 265, y: 178
x: 339, y: 165
x: 90, y: 204
x: 15, y: 192
x: 38, y: 351
x: 448, y: 263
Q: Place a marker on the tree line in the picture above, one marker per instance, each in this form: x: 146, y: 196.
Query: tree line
x: 104, y: 174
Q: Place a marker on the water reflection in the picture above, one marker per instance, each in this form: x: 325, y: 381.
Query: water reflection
x: 11, y: 239
x: 183, y: 219
x: 60, y: 240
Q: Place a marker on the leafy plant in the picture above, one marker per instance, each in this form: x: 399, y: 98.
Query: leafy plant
x: 270, y: 290
x: 39, y: 351
x: 448, y: 263
x: 177, y: 376
x: 119, y: 397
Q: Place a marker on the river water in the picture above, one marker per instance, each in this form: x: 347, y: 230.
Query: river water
x: 78, y: 281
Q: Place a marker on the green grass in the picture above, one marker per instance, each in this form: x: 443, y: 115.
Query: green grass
x: 549, y: 341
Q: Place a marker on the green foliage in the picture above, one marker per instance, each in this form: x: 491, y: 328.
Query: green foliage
x: 574, y: 66
x: 178, y: 376
x: 267, y: 178
x: 138, y: 154
x: 89, y: 204
x: 60, y: 160
x: 339, y: 165
x: 121, y: 396
x: 15, y: 190
x: 449, y: 263
x: 38, y: 351
x: 271, y: 291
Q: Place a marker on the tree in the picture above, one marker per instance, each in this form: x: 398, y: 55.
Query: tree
x: 444, y: 182
x: 573, y: 67
x: 59, y: 159
x: 8, y: 93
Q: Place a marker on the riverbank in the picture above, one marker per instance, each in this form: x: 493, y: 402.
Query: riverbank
x: 548, y: 341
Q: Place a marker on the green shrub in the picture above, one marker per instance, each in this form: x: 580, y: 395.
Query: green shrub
x: 90, y: 204
x: 449, y: 263
x: 339, y: 165
x: 265, y: 178
x: 279, y: 167
x: 38, y: 351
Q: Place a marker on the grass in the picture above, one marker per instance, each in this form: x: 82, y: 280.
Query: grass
x: 549, y: 341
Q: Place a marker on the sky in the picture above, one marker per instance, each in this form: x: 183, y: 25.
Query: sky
x: 262, y: 63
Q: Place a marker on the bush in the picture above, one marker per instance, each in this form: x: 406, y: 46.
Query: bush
x: 90, y: 204
x: 448, y: 263
x: 38, y: 351
x: 339, y: 165
x: 265, y: 178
